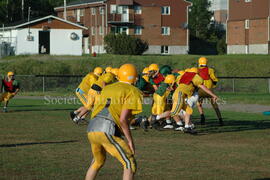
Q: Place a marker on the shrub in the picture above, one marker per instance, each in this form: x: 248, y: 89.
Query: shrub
x: 124, y: 44
x: 221, y: 46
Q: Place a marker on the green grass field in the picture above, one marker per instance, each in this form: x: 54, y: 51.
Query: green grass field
x: 39, y: 142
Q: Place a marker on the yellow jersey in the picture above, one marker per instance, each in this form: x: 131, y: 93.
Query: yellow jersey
x: 122, y: 96
x: 209, y: 77
x: 189, y: 89
x: 88, y: 81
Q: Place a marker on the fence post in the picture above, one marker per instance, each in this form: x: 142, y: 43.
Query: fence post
x: 233, y: 85
x: 43, y: 84
x: 269, y: 86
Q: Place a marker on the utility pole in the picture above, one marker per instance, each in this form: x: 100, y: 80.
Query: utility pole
x: 65, y: 9
x: 7, y: 8
x: 29, y: 14
x: 22, y: 9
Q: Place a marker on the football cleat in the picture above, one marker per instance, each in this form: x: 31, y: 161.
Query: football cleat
x: 144, y: 123
x: 72, y: 115
x: 202, y: 119
x: 76, y: 119
x: 190, y: 131
x: 221, y: 122
x: 5, y: 109
x: 179, y: 128
x: 168, y: 126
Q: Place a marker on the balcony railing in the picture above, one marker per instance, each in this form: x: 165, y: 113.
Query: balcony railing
x: 121, y: 18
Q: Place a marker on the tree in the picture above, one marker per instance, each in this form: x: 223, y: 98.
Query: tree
x: 124, y: 44
x: 200, y: 18
x: 205, y: 34
x: 11, y: 10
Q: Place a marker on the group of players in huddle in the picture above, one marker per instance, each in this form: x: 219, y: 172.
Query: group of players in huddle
x: 115, y: 96
x: 175, y: 94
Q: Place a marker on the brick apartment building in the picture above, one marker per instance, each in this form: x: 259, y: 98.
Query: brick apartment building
x: 248, y: 27
x: 220, y: 9
x: 162, y: 23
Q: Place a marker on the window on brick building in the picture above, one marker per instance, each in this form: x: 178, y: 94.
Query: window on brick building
x: 164, y: 49
x: 81, y: 12
x: 113, y: 9
x: 101, y: 10
x: 101, y: 30
x: 165, y: 31
x: 248, y: 0
x: 138, y: 9
x: 165, y: 10
x: 138, y: 30
x: 93, y: 30
x: 93, y: 11
x: 247, y: 24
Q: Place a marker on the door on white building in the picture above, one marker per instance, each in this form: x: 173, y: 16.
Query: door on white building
x: 44, y: 42
x: 86, y: 49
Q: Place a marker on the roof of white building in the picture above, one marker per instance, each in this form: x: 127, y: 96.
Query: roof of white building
x: 20, y: 24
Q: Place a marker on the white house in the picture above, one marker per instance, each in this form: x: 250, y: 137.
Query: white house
x: 47, y: 35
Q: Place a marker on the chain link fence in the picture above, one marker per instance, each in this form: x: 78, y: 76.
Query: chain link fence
x: 6, y: 49
x: 68, y: 83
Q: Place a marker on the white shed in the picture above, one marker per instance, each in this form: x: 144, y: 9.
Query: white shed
x: 47, y: 35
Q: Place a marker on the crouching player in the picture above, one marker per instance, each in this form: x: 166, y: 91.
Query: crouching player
x: 188, y: 85
x: 143, y: 83
x: 160, y: 99
x: 112, y: 112
x: 82, y: 91
x: 10, y: 87
x: 94, y: 92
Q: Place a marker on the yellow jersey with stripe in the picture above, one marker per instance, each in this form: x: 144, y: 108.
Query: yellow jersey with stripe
x: 88, y: 81
x: 122, y: 96
x: 189, y: 89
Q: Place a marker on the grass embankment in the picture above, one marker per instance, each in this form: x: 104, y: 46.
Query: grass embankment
x: 38, y: 141
x: 226, y: 65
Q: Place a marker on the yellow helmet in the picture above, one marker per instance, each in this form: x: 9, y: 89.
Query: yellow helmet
x: 98, y: 71
x: 170, y: 79
x: 194, y: 70
x: 181, y: 72
x: 108, y: 78
x: 146, y: 70
x: 10, y: 73
x: 127, y: 73
x: 108, y: 69
x: 203, y: 61
x: 153, y: 67
x: 115, y: 71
